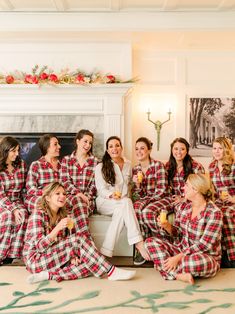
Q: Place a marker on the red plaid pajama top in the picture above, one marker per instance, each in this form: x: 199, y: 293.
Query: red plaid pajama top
x: 40, y: 174
x: 78, y: 179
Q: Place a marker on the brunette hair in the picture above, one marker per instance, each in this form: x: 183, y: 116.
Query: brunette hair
x: 202, y: 183
x: 80, y: 135
x: 146, y: 141
x: 187, y: 161
x: 228, y: 157
x: 7, y: 144
x: 107, y: 164
x: 44, y: 205
x: 44, y: 142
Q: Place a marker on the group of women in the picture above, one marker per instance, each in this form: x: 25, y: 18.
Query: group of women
x: 44, y: 211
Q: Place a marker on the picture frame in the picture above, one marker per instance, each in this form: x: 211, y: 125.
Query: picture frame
x: 207, y: 119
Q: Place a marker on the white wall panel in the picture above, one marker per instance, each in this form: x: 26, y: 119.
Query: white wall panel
x: 210, y: 69
x: 155, y: 70
x: 108, y: 58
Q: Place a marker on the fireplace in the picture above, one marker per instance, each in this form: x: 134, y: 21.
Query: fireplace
x: 27, y: 112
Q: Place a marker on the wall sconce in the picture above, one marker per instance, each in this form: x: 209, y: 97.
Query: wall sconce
x: 158, y: 125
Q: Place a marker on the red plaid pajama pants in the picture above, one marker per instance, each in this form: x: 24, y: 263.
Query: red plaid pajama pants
x: 56, y: 259
x: 11, y: 233
x: 197, y: 264
x: 147, y: 211
x: 228, y: 230
x: 79, y: 211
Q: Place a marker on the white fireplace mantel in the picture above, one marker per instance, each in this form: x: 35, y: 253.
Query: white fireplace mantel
x: 106, y: 100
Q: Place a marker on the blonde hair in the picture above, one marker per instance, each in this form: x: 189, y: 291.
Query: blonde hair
x: 44, y: 205
x: 202, y: 183
x: 228, y: 157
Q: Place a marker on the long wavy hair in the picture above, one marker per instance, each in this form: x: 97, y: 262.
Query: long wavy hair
x: 80, y: 135
x: 44, y: 142
x: 44, y: 205
x: 107, y: 164
x: 187, y: 161
x: 7, y: 144
x: 228, y: 153
x: 202, y: 183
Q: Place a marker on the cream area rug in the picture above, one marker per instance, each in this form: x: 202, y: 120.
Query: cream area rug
x: 146, y: 293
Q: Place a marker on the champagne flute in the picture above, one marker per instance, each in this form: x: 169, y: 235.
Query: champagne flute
x: 223, y: 194
x: 117, y: 191
x: 70, y: 224
x: 140, y: 176
x: 163, y: 216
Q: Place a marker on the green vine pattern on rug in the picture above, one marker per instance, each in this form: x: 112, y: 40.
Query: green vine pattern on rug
x: 150, y: 300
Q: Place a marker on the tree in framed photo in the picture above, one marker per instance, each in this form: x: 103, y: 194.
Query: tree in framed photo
x: 208, y: 119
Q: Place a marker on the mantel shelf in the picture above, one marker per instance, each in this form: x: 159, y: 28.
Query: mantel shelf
x: 117, y: 88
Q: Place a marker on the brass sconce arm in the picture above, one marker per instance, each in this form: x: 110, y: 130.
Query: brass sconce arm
x: 158, y: 126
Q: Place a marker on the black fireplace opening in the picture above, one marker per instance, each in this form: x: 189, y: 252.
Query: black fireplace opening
x: 29, y: 149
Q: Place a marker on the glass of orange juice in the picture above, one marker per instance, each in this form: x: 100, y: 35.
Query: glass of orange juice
x: 117, y: 194
x: 223, y: 194
x: 70, y: 224
x: 163, y: 216
x: 140, y: 176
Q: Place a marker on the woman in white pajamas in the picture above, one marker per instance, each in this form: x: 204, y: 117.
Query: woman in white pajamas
x: 112, y: 178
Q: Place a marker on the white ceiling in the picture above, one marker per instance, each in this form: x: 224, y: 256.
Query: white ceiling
x: 115, y: 5
x: 153, y: 24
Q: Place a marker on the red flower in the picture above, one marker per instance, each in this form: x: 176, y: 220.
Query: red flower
x: 111, y: 78
x: 35, y: 79
x: 44, y: 76
x: 10, y: 79
x: 53, y: 78
x: 30, y: 79
x: 80, y: 79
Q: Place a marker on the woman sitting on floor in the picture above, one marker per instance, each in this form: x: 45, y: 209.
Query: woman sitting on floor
x: 51, y: 252
x: 196, y: 250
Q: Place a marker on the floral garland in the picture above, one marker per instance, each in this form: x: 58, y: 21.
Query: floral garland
x: 44, y: 75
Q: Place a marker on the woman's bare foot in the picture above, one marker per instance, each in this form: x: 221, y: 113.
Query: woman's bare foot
x: 186, y: 277
x: 141, y: 248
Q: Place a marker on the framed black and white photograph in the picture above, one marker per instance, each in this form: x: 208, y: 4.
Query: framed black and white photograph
x: 208, y: 119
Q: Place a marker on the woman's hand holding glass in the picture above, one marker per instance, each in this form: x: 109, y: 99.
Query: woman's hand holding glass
x: 226, y: 197
x: 164, y: 223
x: 117, y: 195
x: 62, y: 224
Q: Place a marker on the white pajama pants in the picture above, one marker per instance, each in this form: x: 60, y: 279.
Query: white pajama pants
x: 123, y: 214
